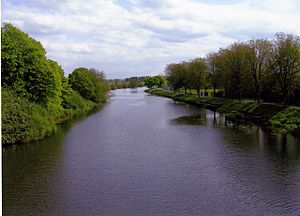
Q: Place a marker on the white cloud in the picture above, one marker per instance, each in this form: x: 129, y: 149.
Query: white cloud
x: 141, y: 37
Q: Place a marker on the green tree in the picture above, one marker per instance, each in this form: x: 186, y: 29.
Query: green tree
x: 25, y: 68
x: 80, y: 82
x: 198, y: 71
x: 285, y: 63
x: 175, y: 75
x: 160, y: 81
x: 259, y: 57
x: 237, y: 65
x: 213, y: 71
x: 100, y: 85
x: 149, y: 82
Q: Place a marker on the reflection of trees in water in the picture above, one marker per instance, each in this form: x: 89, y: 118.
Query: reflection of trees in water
x: 134, y: 91
x: 247, y: 136
x: 284, y: 147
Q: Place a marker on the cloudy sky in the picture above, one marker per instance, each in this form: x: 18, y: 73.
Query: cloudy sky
x: 139, y: 37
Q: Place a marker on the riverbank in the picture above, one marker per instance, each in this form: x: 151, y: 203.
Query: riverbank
x: 24, y: 121
x: 272, y: 116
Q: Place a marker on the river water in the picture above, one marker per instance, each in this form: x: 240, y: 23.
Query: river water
x: 129, y: 158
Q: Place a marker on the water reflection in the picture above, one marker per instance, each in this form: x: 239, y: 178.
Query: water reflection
x: 134, y: 91
x: 284, y: 147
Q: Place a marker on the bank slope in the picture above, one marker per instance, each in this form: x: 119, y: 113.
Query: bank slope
x: 275, y: 116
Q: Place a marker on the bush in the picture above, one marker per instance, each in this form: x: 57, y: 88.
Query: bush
x: 23, y: 120
x: 72, y: 100
x: 286, y: 121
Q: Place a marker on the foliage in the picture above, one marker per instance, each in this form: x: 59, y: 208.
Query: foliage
x: 35, y: 94
x: 72, y: 100
x: 99, y: 84
x: 259, y: 57
x: 286, y: 63
x: 131, y: 82
x: 281, y: 120
x: 155, y: 81
x: 286, y: 121
x: 81, y: 83
x: 23, y: 120
x: 25, y: 67
x: 257, y: 69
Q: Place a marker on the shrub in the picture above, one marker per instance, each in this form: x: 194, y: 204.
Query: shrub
x: 23, y: 120
x: 286, y: 121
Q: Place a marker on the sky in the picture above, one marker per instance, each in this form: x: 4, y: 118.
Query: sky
x: 127, y: 38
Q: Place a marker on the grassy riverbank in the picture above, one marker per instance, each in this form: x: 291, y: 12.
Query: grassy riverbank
x: 274, y: 116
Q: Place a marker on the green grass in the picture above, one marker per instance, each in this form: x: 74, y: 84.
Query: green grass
x: 274, y: 115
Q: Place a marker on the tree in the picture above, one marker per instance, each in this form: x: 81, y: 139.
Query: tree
x: 158, y: 81
x: 213, y: 70
x: 149, y: 82
x: 175, y: 75
x: 80, y: 82
x: 285, y: 63
x: 101, y: 87
x: 236, y: 62
x: 25, y: 68
x: 198, y: 71
x: 259, y: 59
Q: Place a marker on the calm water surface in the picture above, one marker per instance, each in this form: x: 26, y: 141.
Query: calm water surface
x: 130, y: 159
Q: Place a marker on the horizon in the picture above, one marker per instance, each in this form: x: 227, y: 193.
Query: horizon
x: 139, y: 38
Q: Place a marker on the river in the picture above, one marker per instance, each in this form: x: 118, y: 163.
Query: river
x: 130, y: 158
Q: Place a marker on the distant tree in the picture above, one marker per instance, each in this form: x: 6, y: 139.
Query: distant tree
x: 286, y: 63
x: 222, y: 68
x: 214, y: 73
x: 237, y: 64
x: 133, y: 83
x: 259, y: 57
x: 160, y: 81
x: 149, y: 82
x: 175, y: 75
x: 198, y: 71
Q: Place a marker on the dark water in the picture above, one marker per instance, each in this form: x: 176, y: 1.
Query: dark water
x: 130, y: 159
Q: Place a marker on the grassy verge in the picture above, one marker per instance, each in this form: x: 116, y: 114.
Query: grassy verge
x: 274, y: 116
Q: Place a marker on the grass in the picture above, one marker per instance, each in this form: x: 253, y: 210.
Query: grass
x: 275, y: 116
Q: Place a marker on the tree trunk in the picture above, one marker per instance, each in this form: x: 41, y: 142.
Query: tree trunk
x: 198, y: 91
x: 214, y: 91
x: 285, y: 95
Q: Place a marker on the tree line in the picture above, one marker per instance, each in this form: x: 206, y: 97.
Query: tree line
x: 131, y: 82
x: 35, y: 93
x: 260, y: 69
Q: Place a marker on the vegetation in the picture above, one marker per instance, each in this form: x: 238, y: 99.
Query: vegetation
x: 286, y: 121
x: 275, y: 116
x: 132, y: 82
x: 258, y: 69
x: 35, y: 94
x: 155, y: 81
